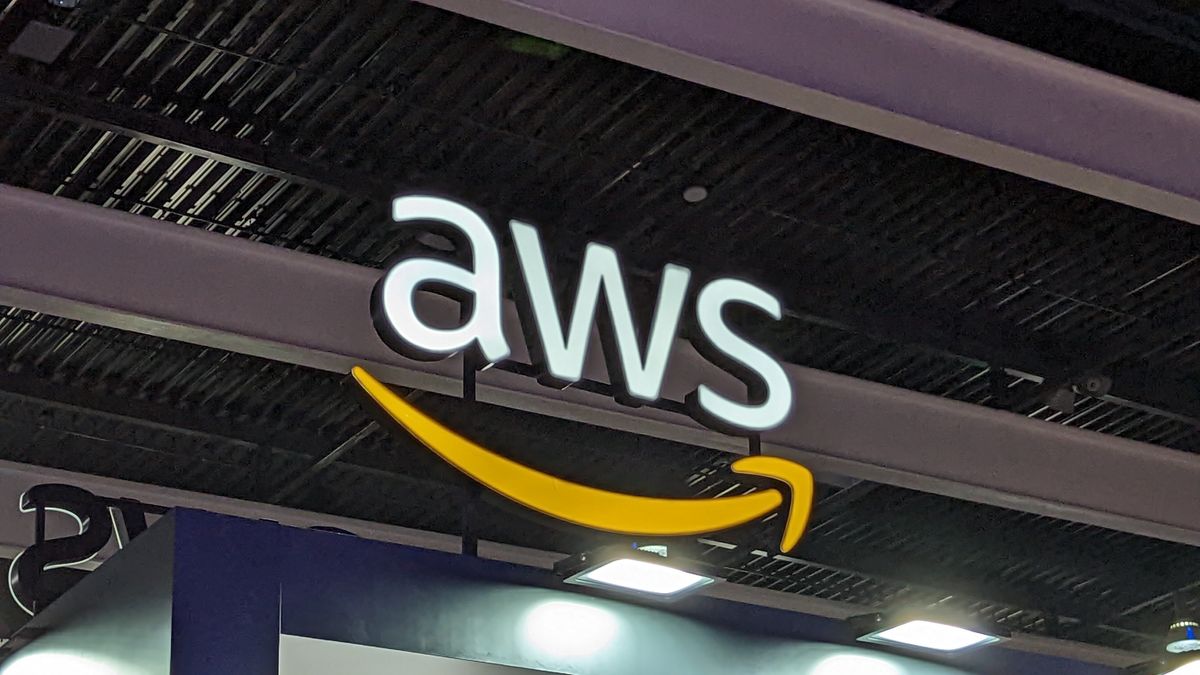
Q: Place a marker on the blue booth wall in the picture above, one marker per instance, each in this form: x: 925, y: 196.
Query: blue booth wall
x: 239, y: 585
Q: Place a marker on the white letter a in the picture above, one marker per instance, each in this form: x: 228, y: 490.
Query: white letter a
x: 395, y: 314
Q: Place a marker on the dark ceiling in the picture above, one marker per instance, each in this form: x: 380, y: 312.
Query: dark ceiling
x: 1154, y: 42
x: 292, y: 123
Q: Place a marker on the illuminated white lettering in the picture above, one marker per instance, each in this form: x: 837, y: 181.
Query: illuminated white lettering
x: 559, y: 343
x: 563, y: 354
x: 396, y: 314
x: 741, y: 357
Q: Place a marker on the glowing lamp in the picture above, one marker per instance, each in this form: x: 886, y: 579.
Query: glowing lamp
x: 648, y: 573
x: 1183, y: 636
x: 925, y: 633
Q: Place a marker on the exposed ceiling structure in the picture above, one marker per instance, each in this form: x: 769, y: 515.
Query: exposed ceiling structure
x: 293, y: 124
x: 1153, y: 43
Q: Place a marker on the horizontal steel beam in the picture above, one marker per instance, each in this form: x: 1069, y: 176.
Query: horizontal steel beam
x: 154, y: 415
x: 905, y: 76
x: 111, y: 268
x: 178, y: 135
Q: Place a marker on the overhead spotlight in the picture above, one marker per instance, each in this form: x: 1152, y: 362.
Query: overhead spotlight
x: 1183, y: 637
x: 1094, y: 384
x: 924, y: 633
x: 647, y: 572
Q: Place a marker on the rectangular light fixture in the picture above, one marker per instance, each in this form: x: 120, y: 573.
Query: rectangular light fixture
x: 930, y: 635
x: 918, y: 632
x: 630, y: 570
x: 643, y: 577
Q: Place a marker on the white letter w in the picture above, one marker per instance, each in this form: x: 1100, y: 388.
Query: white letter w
x: 563, y: 355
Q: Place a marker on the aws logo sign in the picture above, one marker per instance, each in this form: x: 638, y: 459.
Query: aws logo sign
x: 558, y: 344
x: 602, y: 509
x: 636, y: 366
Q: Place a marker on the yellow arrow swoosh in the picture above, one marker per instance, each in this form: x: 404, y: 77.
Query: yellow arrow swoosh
x: 601, y: 509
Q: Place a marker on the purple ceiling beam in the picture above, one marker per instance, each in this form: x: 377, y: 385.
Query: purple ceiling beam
x: 108, y: 267
x: 902, y: 75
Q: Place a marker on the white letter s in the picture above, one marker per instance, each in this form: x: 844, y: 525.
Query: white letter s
x: 718, y: 410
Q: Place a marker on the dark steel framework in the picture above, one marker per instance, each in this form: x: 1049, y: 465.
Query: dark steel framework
x: 292, y: 124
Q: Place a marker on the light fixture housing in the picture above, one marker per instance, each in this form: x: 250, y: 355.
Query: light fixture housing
x: 627, y: 569
x: 1183, y: 637
x: 926, y: 633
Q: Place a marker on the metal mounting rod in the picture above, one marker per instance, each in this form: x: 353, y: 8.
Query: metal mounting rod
x: 325, y: 461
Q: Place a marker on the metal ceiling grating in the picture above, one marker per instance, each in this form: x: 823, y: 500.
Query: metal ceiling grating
x: 164, y: 413
x: 293, y: 124
x: 977, y: 259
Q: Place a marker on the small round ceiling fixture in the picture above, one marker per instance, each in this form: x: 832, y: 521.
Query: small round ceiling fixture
x: 695, y: 193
